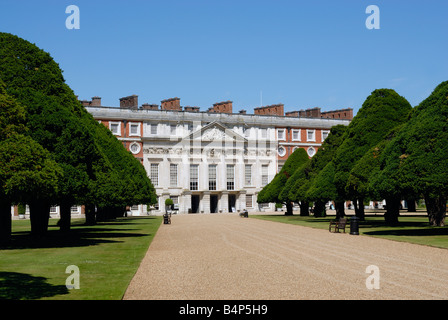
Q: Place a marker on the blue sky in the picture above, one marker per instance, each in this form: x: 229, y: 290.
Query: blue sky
x: 303, y: 54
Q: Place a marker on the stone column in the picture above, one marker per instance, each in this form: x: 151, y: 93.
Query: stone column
x: 165, y: 195
x: 241, y: 200
x: 185, y: 202
x: 224, y: 202
x: 206, y: 202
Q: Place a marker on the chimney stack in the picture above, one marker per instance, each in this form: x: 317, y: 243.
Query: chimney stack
x: 293, y: 114
x: 96, y: 102
x: 172, y: 104
x: 130, y: 102
x: 310, y: 113
x: 275, y: 110
x: 222, y: 107
x: 147, y: 106
x: 191, y: 109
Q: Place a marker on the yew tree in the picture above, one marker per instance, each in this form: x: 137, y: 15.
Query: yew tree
x: 366, y: 175
x: 297, y: 186
x: 57, y: 121
x: 271, y: 192
x: 383, y: 110
x: 416, y: 160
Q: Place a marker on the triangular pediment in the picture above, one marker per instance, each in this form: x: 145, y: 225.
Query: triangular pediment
x: 215, y: 131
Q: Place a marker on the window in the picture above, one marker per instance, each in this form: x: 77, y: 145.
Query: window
x: 154, y: 174
x: 135, y: 148
x: 281, y: 134
x: 325, y: 134
x: 281, y: 151
x: 230, y: 177
x: 115, y: 128
x: 173, y: 128
x: 249, y: 203
x: 194, y: 176
x: 134, y: 129
x: 175, y: 202
x: 296, y: 135
x: 175, y: 199
x: 264, y: 175
x: 310, y: 135
x: 134, y: 207
x: 311, y: 151
x: 153, y: 128
x: 248, y: 175
x: 279, y: 167
x: 212, y: 177
x: 173, y: 175
x: 74, y: 209
x: 53, y: 209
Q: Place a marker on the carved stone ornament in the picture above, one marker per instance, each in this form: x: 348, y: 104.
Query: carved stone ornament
x: 213, y: 134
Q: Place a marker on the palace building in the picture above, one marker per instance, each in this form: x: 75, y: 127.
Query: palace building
x: 216, y: 160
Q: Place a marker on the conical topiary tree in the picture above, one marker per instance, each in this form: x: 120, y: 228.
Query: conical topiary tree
x: 382, y: 111
x: 416, y: 160
x: 271, y: 192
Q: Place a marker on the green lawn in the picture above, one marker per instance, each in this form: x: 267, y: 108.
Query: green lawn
x: 411, y: 228
x: 107, y: 255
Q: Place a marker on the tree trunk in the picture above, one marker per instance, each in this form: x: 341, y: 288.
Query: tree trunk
x: 90, y: 215
x: 39, y: 216
x: 5, y: 222
x: 411, y: 205
x: 319, y: 209
x: 392, y: 210
x: 436, y: 208
x: 101, y: 213
x: 340, y: 209
x: 304, y: 208
x: 64, y: 223
x: 288, y: 209
x: 359, y: 208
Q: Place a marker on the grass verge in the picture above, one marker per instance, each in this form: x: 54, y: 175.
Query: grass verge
x: 411, y: 228
x: 107, y: 255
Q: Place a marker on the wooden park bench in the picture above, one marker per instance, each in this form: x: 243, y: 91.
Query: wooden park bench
x: 244, y: 214
x: 338, y: 225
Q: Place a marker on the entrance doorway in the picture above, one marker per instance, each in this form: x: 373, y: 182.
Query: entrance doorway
x: 194, y: 204
x: 213, y: 203
x: 232, y: 203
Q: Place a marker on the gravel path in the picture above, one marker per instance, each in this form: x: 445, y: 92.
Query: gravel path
x: 226, y: 257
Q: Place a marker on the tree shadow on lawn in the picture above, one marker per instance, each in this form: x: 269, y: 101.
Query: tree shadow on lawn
x: 21, y: 286
x: 409, y: 225
x: 79, y: 236
x: 429, y: 231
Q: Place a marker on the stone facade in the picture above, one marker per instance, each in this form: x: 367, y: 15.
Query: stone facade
x: 214, y: 161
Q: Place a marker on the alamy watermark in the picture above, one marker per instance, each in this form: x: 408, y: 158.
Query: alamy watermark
x: 373, y: 21
x: 73, y: 20
x: 373, y: 280
x: 72, y: 281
